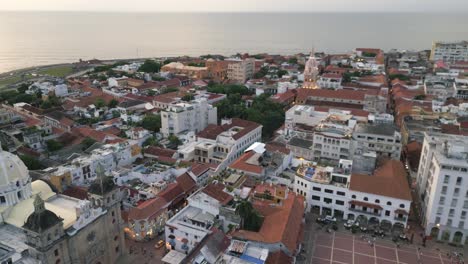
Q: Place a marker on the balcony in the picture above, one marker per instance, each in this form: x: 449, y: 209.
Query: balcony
x: 402, y: 219
x: 364, y: 212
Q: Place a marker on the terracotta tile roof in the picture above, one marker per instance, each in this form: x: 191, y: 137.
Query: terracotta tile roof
x: 172, y: 192
x: 76, y: 192
x: 388, y: 180
x: 212, y: 131
x: 332, y: 75
x: 303, y: 94
x: 112, y: 130
x: 284, y: 97
x: 242, y: 165
x: 148, y: 209
x: 277, y: 146
x: 186, y: 182
x: 199, y: 169
x: 215, y: 190
x: 159, y: 152
x: 278, y: 257
x: 282, y: 225
x: 99, y: 136
x: 364, y: 204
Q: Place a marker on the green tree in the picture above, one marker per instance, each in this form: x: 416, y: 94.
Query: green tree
x: 151, y: 141
x: 99, y: 103
x: 53, y: 145
x: 151, y: 93
x: 151, y: 122
x: 113, y: 103
x: 250, y: 218
x: 150, y: 66
x: 87, y: 142
x: 174, y: 140
x: 281, y: 72
x: 31, y: 162
x: 188, y: 97
x: 23, y: 88
x: 292, y: 60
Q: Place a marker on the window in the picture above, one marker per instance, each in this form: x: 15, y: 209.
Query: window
x: 463, y: 214
x: 116, y: 249
x: 316, y: 189
x: 328, y: 191
x: 389, y: 203
x: 402, y: 206
x: 437, y: 219
x: 2, y: 199
x: 440, y: 210
x: 353, y: 196
x: 442, y: 200
x: 377, y: 201
x: 115, y: 238
x: 340, y: 193
x: 366, y: 199
x: 376, y: 211
x: 444, y: 189
x: 338, y: 202
x: 449, y: 222
x: 454, y: 202
x: 327, y: 200
x: 461, y: 224
x: 387, y: 213
x: 451, y: 212
x: 56, y: 253
x: 446, y: 179
x: 316, y: 198
x: 459, y: 180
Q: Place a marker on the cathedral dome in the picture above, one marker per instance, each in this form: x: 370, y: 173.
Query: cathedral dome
x: 12, y: 169
x: 41, y: 219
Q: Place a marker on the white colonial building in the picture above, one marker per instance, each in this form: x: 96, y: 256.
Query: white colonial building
x: 442, y: 183
x: 383, y: 197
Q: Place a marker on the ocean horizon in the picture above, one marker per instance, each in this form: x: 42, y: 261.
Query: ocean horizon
x: 41, y: 38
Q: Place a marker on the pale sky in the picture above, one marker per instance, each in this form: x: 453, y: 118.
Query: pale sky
x: 240, y: 5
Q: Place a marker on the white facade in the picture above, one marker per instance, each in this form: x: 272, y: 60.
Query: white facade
x: 449, y: 51
x: 327, y: 189
x: 223, y: 150
x: 383, y: 139
x: 182, y: 117
x: 442, y: 182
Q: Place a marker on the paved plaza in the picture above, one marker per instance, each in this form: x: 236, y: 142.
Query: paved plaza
x: 341, y: 248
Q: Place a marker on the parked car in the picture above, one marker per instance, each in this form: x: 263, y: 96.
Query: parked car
x: 350, y: 223
x: 160, y: 244
x: 326, y: 220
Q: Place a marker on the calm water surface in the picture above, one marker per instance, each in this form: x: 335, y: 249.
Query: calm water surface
x: 30, y: 38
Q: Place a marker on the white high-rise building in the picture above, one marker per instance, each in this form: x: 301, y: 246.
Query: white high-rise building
x: 442, y: 183
x: 183, y: 117
x: 449, y: 51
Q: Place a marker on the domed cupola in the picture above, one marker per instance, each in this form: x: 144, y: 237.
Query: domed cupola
x: 15, y: 183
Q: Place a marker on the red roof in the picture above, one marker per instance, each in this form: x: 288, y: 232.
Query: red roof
x: 159, y: 152
x: 148, y: 209
x: 303, y: 94
x: 332, y: 75
x: 281, y: 224
x: 199, y: 169
x: 212, y: 131
x: 215, y: 190
x: 242, y: 165
x: 172, y: 192
x: 388, y: 180
x: 186, y: 182
x: 76, y: 192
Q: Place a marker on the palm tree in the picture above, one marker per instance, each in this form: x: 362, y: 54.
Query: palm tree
x: 244, y: 209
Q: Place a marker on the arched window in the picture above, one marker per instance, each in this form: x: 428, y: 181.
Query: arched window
x: 402, y: 206
x: 366, y: 199
x: 389, y: 203
x: 353, y: 196
x: 377, y: 201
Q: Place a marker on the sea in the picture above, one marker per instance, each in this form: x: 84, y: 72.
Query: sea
x: 40, y: 38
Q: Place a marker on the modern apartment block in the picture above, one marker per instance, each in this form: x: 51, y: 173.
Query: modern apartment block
x: 449, y: 51
x: 442, y: 183
x: 242, y: 70
x: 381, y: 138
x: 183, y: 117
